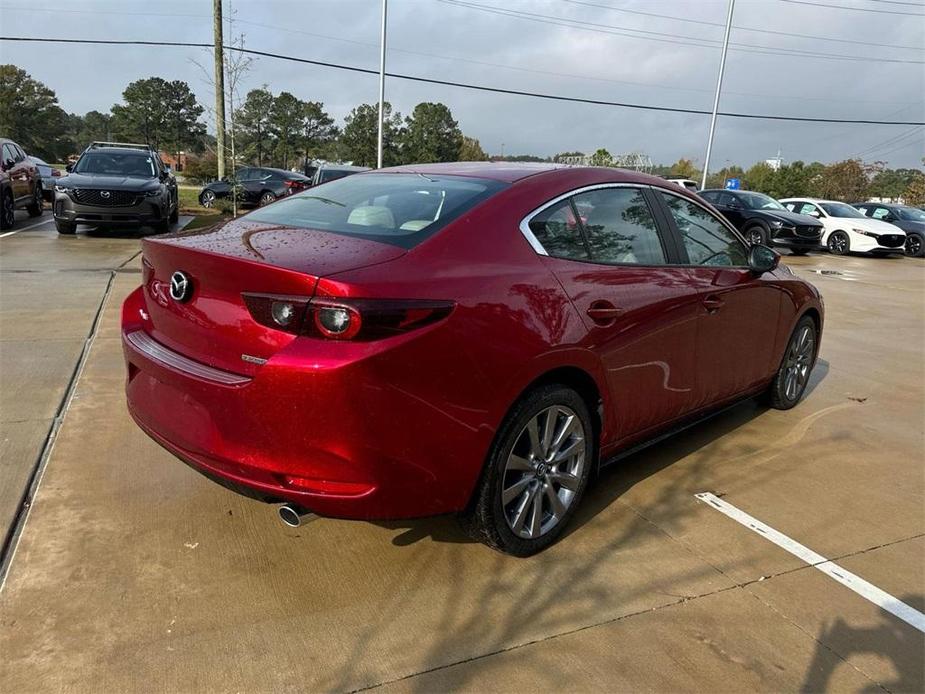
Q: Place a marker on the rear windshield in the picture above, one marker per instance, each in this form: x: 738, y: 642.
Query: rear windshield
x: 116, y: 164
x: 401, y: 209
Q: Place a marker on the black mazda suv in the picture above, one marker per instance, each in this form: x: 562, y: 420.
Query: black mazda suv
x: 763, y: 220
x: 116, y: 185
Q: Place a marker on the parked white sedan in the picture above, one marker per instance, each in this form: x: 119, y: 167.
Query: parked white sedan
x: 847, y: 230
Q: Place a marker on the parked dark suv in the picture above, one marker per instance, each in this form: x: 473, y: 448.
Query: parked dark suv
x: 116, y: 184
x: 257, y: 185
x: 763, y: 220
x: 20, y: 184
x: 909, y: 219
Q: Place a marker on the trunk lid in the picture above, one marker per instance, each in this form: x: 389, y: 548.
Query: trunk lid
x: 213, y: 325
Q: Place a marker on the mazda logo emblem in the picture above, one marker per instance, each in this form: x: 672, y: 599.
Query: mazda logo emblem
x: 105, y: 193
x: 181, y: 287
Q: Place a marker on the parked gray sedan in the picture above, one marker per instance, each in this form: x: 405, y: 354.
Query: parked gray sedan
x: 909, y: 219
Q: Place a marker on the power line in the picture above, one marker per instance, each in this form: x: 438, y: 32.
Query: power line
x: 704, y: 22
x: 854, y: 9
x: 665, y: 37
x: 891, y: 141
x: 463, y: 85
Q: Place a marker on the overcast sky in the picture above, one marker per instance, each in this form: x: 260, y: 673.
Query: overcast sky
x: 433, y: 38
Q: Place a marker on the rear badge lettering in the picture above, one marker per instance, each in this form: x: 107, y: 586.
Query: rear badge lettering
x: 253, y: 360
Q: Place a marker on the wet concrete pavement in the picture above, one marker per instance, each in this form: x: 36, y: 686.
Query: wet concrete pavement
x: 133, y: 572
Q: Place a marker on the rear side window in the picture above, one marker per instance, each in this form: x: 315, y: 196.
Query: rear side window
x: 707, y: 240
x: 401, y: 209
x: 620, y: 227
x: 558, y: 231
x: 878, y: 213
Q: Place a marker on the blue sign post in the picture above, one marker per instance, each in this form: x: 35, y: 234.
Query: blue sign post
x: 732, y: 184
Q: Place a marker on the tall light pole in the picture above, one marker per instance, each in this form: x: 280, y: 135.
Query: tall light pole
x: 719, y: 87
x: 385, y: 4
x: 219, y: 86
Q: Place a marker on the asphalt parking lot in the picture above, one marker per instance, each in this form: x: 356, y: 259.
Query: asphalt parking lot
x: 132, y: 572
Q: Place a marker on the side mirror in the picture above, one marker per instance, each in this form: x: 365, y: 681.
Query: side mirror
x: 889, y: 218
x: 762, y: 259
x: 9, y: 164
x: 816, y: 214
x: 69, y: 168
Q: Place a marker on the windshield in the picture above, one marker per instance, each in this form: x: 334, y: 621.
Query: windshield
x: 758, y: 201
x: 116, y: 164
x: 840, y: 209
x: 911, y: 214
x: 401, y: 209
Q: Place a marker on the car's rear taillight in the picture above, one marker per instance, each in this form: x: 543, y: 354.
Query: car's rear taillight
x: 293, y: 186
x: 344, y: 319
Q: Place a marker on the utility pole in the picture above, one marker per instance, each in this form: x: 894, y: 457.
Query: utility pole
x: 385, y: 4
x: 719, y: 87
x: 219, y: 85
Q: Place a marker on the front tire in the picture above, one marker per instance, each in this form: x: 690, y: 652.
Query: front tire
x: 791, y: 378
x: 536, y: 473
x: 757, y: 236
x: 37, y: 206
x: 839, y: 243
x: 65, y: 228
x: 915, y: 248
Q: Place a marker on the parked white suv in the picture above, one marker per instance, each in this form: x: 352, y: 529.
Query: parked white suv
x: 847, y: 230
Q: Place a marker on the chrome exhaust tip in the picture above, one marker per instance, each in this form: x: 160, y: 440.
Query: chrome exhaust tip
x: 294, y: 516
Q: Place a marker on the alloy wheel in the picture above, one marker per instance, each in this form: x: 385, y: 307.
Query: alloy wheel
x: 838, y: 243
x: 799, y: 362
x: 543, y: 472
x: 755, y: 237
x: 913, y: 245
x: 207, y: 199
x: 266, y: 199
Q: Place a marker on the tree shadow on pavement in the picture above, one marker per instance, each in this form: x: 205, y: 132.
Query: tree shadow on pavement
x: 893, y: 640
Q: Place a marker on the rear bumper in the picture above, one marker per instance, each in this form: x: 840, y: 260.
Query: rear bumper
x: 347, y: 439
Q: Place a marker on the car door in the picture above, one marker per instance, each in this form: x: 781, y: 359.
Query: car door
x: 739, y: 311
x: 19, y: 182
x: 609, y: 251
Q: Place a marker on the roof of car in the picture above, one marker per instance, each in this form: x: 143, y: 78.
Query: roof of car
x: 342, y: 167
x: 510, y: 172
x: 120, y: 150
x: 819, y: 200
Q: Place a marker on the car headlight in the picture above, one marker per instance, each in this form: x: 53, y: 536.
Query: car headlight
x: 865, y: 233
x: 62, y: 189
x: 152, y: 193
x: 776, y: 224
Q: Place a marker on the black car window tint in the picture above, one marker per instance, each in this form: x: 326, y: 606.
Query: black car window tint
x: 707, y: 240
x: 8, y: 154
x: 620, y: 227
x: 558, y: 231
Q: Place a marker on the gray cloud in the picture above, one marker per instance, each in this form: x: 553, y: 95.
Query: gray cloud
x: 588, y: 64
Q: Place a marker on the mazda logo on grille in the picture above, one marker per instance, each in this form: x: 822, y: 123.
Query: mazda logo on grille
x: 181, y: 287
x: 105, y: 194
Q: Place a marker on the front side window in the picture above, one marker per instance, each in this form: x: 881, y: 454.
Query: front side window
x: 759, y: 201
x: 711, y: 197
x: 117, y: 164
x: 619, y: 226
x: 840, y: 209
x: 558, y: 231
x: 400, y: 209
x: 879, y: 213
x: 707, y: 240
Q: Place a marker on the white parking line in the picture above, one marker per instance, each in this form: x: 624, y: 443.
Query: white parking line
x: 866, y: 590
x: 31, y: 226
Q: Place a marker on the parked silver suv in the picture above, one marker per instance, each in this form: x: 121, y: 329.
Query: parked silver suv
x: 116, y: 184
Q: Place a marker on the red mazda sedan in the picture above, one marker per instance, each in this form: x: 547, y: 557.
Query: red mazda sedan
x: 472, y: 338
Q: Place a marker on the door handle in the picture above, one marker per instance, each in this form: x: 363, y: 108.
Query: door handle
x: 603, y: 312
x: 713, y: 303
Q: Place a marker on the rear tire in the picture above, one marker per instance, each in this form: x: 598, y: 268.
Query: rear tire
x: 839, y: 243
x: 37, y: 206
x: 7, y: 210
x: 533, y: 481
x: 792, y: 377
x: 65, y: 228
x: 207, y: 198
x: 266, y: 197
